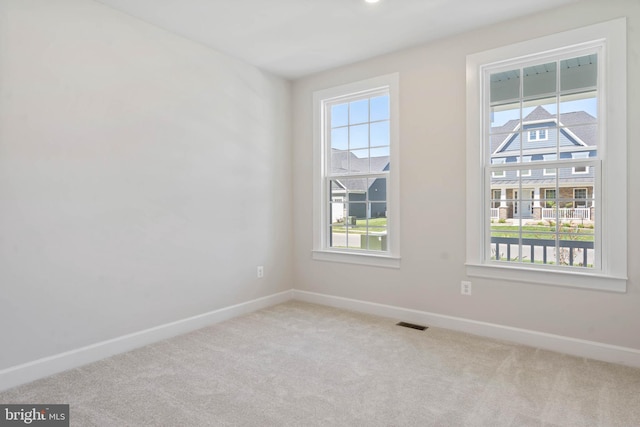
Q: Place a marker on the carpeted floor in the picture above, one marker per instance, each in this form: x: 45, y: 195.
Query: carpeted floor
x: 299, y: 364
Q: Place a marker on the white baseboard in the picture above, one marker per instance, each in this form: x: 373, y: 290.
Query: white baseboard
x: 576, y: 347
x: 31, y: 371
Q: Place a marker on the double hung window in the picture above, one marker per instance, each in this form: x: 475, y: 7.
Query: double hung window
x: 540, y: 114
x: 356, y: 189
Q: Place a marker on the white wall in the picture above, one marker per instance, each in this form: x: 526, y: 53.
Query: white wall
x: 143, y: 178
x: 432, y: 133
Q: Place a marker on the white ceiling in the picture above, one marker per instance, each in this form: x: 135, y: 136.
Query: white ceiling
x: 293, y: 38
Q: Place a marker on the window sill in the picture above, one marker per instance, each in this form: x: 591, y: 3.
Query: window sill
x: 369, y: 259
x: 573, y: 279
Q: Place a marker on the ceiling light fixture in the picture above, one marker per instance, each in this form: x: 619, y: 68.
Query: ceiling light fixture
x: 372, y: 1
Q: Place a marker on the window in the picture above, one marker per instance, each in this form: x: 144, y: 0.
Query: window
x: 499, y: 173
x: 577, y: 170
x: 525, y: 172
x: 496, y: 196
x: 550, y: 197
x: 549, y: 158
x: 559, y: 92
x: 580, y: 197
x: 356, y: 188
x: 538, y: 135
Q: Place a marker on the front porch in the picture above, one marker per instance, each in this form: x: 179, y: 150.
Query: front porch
x: 541, y: 204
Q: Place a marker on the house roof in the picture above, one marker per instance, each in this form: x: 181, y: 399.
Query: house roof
x: 581, y: 124
x: 344, y: 162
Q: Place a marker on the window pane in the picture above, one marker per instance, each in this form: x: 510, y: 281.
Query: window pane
x: 579, y: 108
x: 380, y: 133
x: 358, y: 136
x: 337, y: 197
x: 375, y: 240
x: 380, y: 108
x: 536, y: 110
x: 340, y: 138
x: 379, y: 159
x: 339, y: 115
x: 377, y: 190
x: 359, y: 111
x: 357, y: 210
x: 356, y: 189
x: 579, y: 73
x: 580, y: 136
x: 576, y: 244
x: 339, y: 162
x: 504, y: 242
x: 359, y: 161
x: 505, y: 118
x: 505, y: 86
x: 539, y: 79
x: 378, y: 215
x: 338, y: 236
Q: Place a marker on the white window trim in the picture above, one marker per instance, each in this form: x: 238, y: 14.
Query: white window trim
x: 584, y: 172
x: 525, y: 172
x: 612, y: 276
x: 321, y: 251
x: 586, y: 168
x: 502, y: 173
x: 537, y: 132
x: 586, y: 196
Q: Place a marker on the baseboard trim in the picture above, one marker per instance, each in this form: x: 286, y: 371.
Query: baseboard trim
x: 41, y: 368
x: 573, y: 346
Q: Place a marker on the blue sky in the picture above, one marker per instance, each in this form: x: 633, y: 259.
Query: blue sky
x: 361, y: 124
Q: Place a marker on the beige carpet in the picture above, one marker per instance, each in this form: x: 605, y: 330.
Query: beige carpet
x: 299, y: 364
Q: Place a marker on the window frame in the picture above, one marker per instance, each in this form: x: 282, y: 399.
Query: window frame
x: 502, y: 173
x: 321, y: 250
x: 581, y: 155
x: 584, y: 199
x: 537, y: 132
x: 610, y: 38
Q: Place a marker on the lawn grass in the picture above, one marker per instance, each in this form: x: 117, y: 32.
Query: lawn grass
x: 543, y: 232
x: 376, y: 225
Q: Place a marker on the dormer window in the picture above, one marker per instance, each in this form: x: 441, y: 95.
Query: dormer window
x: 538, y: 135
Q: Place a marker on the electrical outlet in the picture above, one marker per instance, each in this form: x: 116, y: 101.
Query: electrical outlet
x: 260, y: 272
x: 465, y: 288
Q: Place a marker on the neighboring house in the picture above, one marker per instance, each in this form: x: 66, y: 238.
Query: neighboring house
x: 538, y: 137
x: 358, y: 197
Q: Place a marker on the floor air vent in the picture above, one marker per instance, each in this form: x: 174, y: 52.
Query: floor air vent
x: 412, y: 326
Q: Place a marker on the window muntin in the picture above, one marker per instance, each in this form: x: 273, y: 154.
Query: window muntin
x: 356, y: 190
x: 359, y: 161
x: 538, y: 135
x: 498, y: 173
x: 541, y: 113
x: 579, y: 170
x: 556, y: 230
x: 607, y: 164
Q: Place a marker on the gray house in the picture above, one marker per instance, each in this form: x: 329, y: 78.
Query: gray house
x: 537, y: 137
x: 358, y: 197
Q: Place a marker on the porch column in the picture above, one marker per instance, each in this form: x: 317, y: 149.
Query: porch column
x: 503, y: 212
x: 537, y: 208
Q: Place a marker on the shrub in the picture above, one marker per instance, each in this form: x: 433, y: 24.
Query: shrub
x: 502, y: 220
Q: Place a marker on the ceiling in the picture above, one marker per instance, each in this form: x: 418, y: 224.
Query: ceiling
x: 294, y: 38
